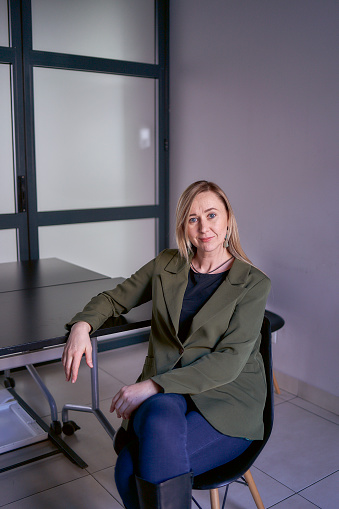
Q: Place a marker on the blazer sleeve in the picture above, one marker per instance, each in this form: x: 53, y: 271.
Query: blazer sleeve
x: 224, y: 364
x: 133, y: 292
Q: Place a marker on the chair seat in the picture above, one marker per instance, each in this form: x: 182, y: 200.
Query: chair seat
x: 229, y: 472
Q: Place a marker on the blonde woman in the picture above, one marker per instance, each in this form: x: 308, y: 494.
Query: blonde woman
x: 199, y: 400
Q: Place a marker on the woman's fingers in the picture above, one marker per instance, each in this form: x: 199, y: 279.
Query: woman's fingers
x: 130, y: 397
x: 77, y: 344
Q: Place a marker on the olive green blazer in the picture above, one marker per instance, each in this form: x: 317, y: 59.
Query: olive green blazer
x: 221, y: 367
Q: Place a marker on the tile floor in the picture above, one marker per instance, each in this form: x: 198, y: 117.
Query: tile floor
x: 298, y: 469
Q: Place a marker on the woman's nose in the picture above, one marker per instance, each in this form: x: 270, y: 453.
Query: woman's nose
x: 203, y: 225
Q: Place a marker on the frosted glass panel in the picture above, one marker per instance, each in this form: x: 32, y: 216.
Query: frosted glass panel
x: 8, y: 247
x: 3, y: 23
x: 119, y: 29
x: 115, y: 248
x: 94, y: 137
x: 7, y: 204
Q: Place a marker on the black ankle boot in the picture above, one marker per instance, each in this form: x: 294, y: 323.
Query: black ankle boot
x: 175, y: 493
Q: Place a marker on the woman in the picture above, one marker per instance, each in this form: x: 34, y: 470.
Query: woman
x: 199, y: 400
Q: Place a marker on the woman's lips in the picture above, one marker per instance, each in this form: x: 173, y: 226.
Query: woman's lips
x: 206, y: 239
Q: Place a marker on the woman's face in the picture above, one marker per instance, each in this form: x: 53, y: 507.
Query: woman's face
x: 207, y: 223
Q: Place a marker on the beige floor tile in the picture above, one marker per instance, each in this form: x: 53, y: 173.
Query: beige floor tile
x: 295, y: 502
x: 106, y: 479
x: 325, y: 493
x: 36, y: 477
x: 79, y: 494
x: 239, y: 496
x: 302, y: 449
x: 270, y: 490
x: 282, y: 397
x: 314, y: 409
x: 125, y: 364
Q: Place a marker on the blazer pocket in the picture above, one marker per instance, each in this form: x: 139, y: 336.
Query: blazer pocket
x: 250, y: 367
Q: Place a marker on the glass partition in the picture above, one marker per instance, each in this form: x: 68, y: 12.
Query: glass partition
x: 7, y: 203
x: 113, y: 248
x: 119, y: 29
x: 8, y: 246
x: 95, y: 140
x: 3, y: 23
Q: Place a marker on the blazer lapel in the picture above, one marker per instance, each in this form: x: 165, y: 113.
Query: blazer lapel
x: 174, y: 283
x: 227, y: 293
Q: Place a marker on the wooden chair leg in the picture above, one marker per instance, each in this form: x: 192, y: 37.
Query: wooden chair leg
x: 214, y: 496
x: 254, y: 490
x: 275, y: 383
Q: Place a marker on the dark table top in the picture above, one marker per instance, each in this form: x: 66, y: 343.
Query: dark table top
x: 45, y: 272
x: 34, y: 317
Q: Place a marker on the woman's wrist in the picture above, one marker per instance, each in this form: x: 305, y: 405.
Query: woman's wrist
x: 83, y: 326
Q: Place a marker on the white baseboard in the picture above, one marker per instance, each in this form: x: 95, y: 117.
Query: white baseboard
x: 303, y: 390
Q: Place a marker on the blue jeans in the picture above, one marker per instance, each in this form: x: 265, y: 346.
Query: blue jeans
x: 171, y: 438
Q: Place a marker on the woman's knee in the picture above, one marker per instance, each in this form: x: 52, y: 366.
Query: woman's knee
x: 159, y: 411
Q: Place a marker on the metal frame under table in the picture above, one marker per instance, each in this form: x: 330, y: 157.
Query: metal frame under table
x: 36, y: 299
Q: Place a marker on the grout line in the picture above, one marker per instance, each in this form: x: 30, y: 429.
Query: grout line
x: 45, y: 490
x: 314, y: 413
x: 115, y: 378
x: 291, y: 496
x: 106, y: 488
x: 316, y: 482
x: 274, y: 479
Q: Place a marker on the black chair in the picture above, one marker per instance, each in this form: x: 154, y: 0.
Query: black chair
x: 237, y: 470
x: 277, y: 322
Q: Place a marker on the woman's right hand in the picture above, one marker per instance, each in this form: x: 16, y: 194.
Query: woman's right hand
x: 78, y: 343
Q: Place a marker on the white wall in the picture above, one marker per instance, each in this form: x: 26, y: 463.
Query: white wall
x: 254, y: 107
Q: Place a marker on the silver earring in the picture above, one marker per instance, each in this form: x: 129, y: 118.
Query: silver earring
x: 226, y: 244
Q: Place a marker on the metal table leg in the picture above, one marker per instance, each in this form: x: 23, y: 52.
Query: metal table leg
x: 94, y: 408
x: 55, y: 424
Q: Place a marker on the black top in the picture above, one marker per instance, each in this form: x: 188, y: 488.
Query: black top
x: 200, y: 287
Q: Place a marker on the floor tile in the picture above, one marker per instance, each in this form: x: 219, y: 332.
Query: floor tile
x: 124, y: 364
x: 106, y: 479
x: 92, y: 443
x: 324, y: 493
x: 295, y: 502
x: 303, y: 448
x: 79, y: 494
x: 239, y: 496
x: 39, y: 476
x: 203, y: 498
x: 314, y: 409
x: 282, y: 397
x: 270, y: 490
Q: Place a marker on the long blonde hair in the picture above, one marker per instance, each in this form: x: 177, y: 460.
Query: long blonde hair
x: 183, y: 208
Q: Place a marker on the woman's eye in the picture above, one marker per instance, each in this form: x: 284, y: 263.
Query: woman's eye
x: 212, y: 215
x: 192, y: 220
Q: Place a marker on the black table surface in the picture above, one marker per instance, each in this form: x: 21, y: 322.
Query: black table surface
x: 33, y: 317
x: 45, y: 272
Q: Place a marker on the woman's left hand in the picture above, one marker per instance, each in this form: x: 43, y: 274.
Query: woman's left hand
x: 130, y: 397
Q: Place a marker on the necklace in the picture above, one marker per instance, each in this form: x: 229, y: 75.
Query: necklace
x: 210, y: 272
